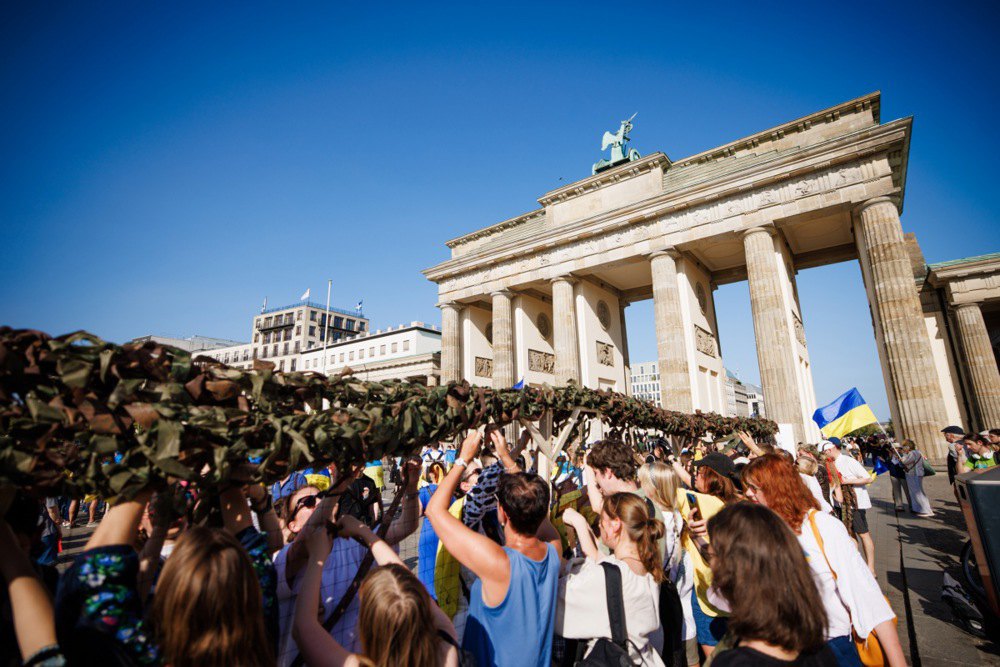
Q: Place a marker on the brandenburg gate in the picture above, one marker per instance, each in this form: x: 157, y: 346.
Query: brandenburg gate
x: 542, y: 296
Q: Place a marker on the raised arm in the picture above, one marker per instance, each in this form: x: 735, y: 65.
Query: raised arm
x: 34, y: 619
x: 584, y: 535
x: 314, y: 642
x: 354, y: 529
x: 408, y: 520
x: 260, y: 503
x: 477, y: 552
x: 121, y: 523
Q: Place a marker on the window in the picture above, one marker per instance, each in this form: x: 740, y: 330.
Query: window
x: 298, y: 330
x: 381, y: 349
x: 350, y: 356
x: 255, y: 353
x: 338, y: 322
x: 406, y: 346
x: 395, y: 347
x: 371, y: 351
x: 288, y: 334
x: 341, y: 357
x: 312, y: 331
x: 293, y: 364
x: 286, y: 348
x: 298, y: 315
x: 312, y: 315
x: 336, y: 336
x: 274, y: 351
x: 361, y: 325
x: 361, y: 353
x: 267, y: 321
x: 281, y: 365
x: 267, y: 338
x: 322, y: 320
x: 263, y: 353
x: 349, y: 325
x: 296, y: 347
x: 256, y: 337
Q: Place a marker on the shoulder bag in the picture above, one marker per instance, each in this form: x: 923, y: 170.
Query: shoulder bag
x: 869, y: 649
x: 611, y: 652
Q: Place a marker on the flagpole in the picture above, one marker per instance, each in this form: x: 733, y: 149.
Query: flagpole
x: 326, y: 325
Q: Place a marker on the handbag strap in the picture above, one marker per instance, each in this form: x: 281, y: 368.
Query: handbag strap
x: 616, y: 604
x: 822, y: 550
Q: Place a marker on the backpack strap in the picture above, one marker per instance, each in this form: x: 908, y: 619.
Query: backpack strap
x: 616, y: 604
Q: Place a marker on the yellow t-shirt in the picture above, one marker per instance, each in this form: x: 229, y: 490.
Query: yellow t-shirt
x: 709, y: 507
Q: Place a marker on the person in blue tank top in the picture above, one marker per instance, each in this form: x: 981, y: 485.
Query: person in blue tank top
x: 512, y: 604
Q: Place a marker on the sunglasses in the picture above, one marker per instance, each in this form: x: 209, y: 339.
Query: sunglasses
x: 305, y: 501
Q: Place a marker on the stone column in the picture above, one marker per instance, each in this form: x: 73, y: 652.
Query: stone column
x: 905, y: 346
x: 451, y: 342
x: 565, y: 334
x: 503, y: 340
x: 981, y: 362
x: 671, y: 352
x: 775, y: 352
x: 623, y: 304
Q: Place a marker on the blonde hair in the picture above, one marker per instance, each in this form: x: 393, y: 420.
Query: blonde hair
x: 396, y: 619
x: 208, y: 608
x: 660, y: 483
x: 807, y: 465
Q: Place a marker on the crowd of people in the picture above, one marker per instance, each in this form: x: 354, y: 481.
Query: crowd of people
x: 731, y: 553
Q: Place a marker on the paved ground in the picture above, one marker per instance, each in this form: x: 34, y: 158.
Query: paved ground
x: 912, y: 555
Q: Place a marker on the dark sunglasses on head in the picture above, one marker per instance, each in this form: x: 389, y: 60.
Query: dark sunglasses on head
x: 305, y: 501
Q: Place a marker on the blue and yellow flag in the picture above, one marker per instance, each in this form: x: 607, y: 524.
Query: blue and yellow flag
x: 848, y: 413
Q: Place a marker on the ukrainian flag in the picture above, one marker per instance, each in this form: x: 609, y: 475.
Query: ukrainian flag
x: 847, y: 413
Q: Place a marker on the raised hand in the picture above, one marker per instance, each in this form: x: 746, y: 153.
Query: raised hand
x: 470, y: 446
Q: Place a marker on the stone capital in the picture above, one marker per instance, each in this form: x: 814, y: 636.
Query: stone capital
x: 964, y: 306
x: 453, y: 305
x: 502, y: 292
x: 566, y: 278
x: 767, y: 229
x: 671, y: 252
x: 860, y: 208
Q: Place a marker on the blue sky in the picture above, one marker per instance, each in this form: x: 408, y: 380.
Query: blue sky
x: 166, y: 168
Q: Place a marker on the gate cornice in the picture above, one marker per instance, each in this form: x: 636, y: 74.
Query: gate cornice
x: 788, y: 178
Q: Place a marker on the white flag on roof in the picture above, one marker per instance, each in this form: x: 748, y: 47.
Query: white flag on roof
x: 306, y: 294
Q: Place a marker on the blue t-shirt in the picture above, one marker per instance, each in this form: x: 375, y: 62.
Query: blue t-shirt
x: 518, y: 631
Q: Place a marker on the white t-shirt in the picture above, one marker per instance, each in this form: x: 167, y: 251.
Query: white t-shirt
x: 814, y: 488
x: 338, y: 573
x: 854, y: 587
x: 849, y: 467
x: 583, y: 614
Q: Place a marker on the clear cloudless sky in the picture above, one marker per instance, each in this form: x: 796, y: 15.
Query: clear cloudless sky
x: 164, y: 168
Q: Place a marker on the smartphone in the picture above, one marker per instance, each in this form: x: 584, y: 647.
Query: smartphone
x: 693, y: 504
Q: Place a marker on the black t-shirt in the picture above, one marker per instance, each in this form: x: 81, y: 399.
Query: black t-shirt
x: 744, y: 656
x: 357, y: 501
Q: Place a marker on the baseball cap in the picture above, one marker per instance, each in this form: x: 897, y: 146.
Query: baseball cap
x: 826, y: 445
x: 718, y: 462
x: 954, y: 430
x: 836, y: 441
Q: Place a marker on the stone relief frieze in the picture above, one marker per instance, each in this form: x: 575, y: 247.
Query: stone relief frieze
x: 541, y: 362
x: 806, y: 186
x: 605, y: 354
x: 705, y: 342
x: 484, y: 367
x: 800, y: 332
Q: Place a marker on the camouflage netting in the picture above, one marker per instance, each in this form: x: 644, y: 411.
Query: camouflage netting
x: 68, y: 404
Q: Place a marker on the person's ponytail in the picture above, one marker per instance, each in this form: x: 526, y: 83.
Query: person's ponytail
x: 643, y: 530
x: 650, y: 534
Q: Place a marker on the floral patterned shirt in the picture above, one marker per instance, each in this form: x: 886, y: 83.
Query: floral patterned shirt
x: 98, y: 592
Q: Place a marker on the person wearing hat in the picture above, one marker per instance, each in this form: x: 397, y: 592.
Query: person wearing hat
x: 954, y: 436
x: 716, y: 484
x: 854, y: 474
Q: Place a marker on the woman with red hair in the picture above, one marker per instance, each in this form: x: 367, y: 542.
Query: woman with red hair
x: 850, y: 594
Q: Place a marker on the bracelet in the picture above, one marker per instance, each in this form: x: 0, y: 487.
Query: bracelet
x: 461, y: 462
x: 413, y: 494
x: 262, y: 508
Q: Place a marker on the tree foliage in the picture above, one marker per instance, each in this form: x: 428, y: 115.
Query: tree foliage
x: 69, y: 405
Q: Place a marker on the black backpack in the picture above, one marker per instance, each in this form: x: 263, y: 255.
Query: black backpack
x: 611, y: 652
